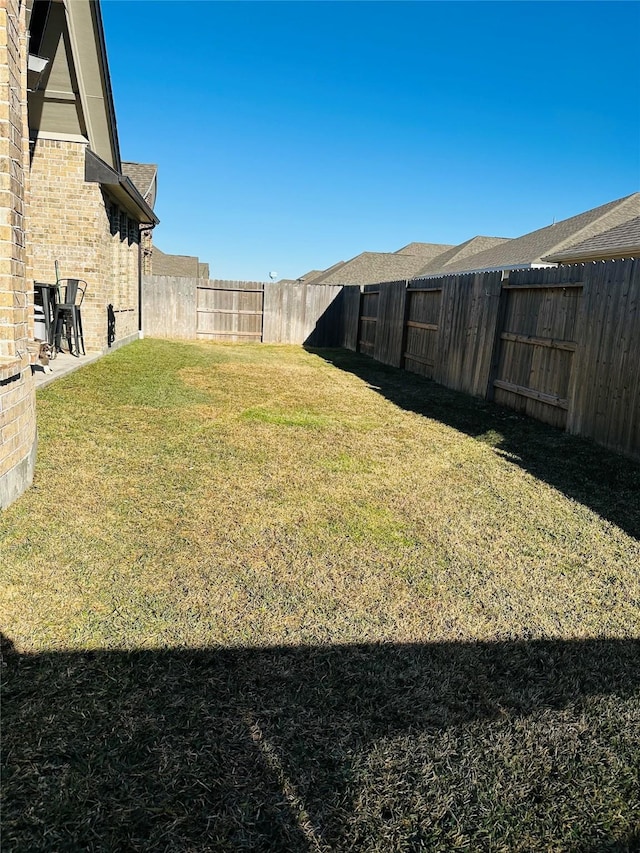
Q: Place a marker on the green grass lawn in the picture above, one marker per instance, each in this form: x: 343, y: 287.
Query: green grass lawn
x: 267, y: 599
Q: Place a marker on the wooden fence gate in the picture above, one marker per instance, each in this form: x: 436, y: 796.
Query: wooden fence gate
x: 536, y: 342
x: 229, y: 310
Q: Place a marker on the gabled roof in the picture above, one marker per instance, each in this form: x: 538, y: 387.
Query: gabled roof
x: 623, y: 241
x: 319, y: 275
x: 145, y: 178
x: 73, y: 98
x: 426, y: 251
x: 470, y: 247
x: 532, y: 248
x: 372, y: 267
x: 309, y: 276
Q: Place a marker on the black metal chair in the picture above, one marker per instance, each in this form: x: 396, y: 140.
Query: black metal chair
x: 67, y: 319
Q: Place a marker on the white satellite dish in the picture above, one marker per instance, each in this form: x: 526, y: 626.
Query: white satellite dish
x: 273, y: 275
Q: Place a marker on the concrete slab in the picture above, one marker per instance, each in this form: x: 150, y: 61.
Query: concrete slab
x: 61, y: 366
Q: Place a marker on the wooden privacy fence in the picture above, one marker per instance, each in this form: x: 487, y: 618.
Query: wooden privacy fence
x: 561, y: 344
x: 233, y: 311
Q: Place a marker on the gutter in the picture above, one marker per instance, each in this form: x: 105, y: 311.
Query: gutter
x: 504, y: 268
x: 120, y: 187
x: 602, y: 255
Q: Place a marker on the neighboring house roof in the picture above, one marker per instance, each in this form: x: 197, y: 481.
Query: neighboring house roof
x: 203, y: 270
x: 373, y: 267
x: 318, y: 276
x: 181, y: 266
x: 623, y: 241
x: 145, y: 178
x: 424, y: 250
x: 457, y: 253
x: 309, y: 276
x: 532, y: 248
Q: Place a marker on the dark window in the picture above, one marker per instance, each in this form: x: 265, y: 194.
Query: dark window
x: 114, y: 219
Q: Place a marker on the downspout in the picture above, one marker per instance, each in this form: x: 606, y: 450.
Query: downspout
x: 140, y: 330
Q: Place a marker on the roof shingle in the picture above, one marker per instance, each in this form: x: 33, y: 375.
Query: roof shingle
x: 372, y: 267
x: 144, y: 177
x: 619, y: 242
x: 533, y: 247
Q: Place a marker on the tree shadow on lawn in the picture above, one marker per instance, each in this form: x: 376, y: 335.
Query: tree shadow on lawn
x: 512, y: 746
x: 604, y: 481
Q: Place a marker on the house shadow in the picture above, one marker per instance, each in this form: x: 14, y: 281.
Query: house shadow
x: 484, y: 746
x: 606, y: 482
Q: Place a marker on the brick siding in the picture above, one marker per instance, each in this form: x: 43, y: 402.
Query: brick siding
x: 17, y: 390
x: 78, y: 225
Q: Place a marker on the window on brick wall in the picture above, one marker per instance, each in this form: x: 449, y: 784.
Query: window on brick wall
x: 123, y: 225
x: 114, y: 219
x: 133, y: 232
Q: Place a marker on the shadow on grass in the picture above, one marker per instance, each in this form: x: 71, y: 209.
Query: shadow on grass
x: 490, y: 746
x: 585, y: 472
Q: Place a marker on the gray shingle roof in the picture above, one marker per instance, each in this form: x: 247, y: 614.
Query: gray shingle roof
x: 619, y: 242
x: 531, y: 248
x: 426, y: 251
x: 373, y: 267
x: 185, y: 266
x: 457, y: 253
x: 309, y: 276
x: 144, y: 177
x: 319, y: 276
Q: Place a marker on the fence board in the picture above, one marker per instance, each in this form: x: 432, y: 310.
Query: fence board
x: 368, y: 319
x: 390, y: 323
x: 350, y: 317
x: 468, y: 315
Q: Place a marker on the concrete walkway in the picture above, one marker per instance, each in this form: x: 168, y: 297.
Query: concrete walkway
x: 61, y: 366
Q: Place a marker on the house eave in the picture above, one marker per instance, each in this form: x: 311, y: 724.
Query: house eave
x: 503, y: 268
x: 589, y: 257
x: 120, y: 187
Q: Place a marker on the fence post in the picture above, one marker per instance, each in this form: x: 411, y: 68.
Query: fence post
x: 405, y: 329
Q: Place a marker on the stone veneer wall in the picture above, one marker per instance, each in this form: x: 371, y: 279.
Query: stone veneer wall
x: 17, y: 389
x: 78, y: 225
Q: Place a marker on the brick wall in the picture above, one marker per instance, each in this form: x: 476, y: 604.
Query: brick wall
x: 17, y: 391
x: 78, y: 225
x: 146, y: 243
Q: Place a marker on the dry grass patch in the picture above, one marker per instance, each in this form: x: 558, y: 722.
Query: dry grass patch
x: 269, y: 599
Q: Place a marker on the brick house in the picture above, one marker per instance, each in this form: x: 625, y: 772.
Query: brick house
x: 63, y: 196
x: 89, y: 212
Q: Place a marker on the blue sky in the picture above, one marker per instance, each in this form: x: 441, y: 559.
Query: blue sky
x: 292, y: 135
